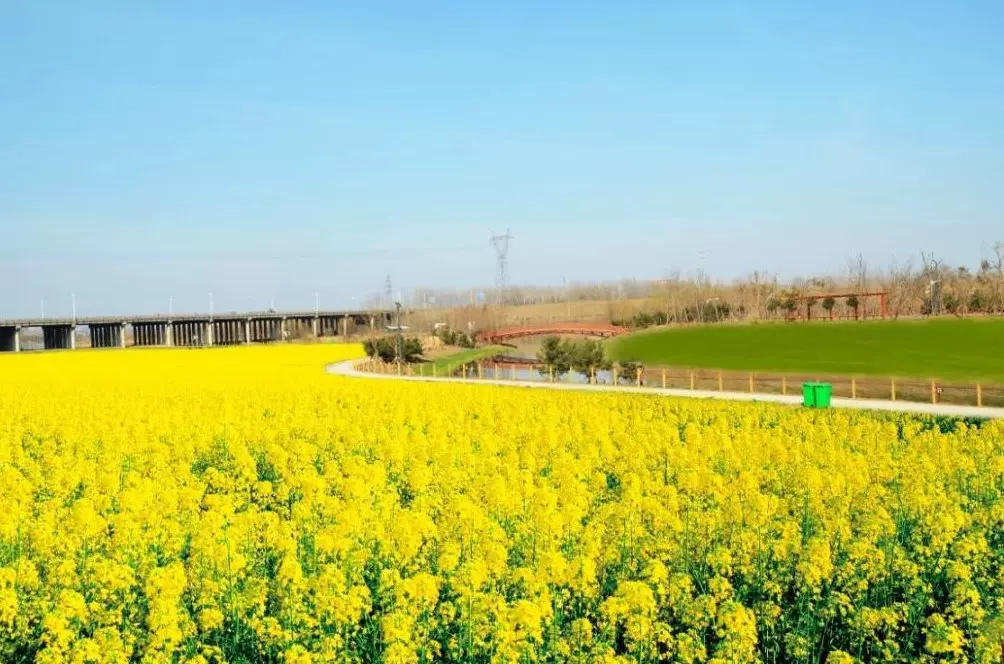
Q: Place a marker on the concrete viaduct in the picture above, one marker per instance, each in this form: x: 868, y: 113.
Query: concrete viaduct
x: 191, y: 329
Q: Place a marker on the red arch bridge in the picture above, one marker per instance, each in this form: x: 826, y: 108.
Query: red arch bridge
x: 585, y: 329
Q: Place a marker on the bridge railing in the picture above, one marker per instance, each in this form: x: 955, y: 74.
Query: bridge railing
x: 587, y: 329
x: 177, y: 317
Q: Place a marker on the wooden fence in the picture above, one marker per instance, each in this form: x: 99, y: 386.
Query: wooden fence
x: 850, y: 387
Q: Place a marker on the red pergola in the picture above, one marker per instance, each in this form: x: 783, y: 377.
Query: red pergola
x: 883, y: 298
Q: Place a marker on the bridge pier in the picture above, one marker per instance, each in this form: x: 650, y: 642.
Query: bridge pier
x: 266, y: 329
x: 298, y: 327
x: 189, y: 333
x: 10, y: 339
x: 59, y: 337
x: 229, y: 332
x: 151, y: 334
x: 327, y: 326
x: 107, y: 335
x: 221, y: 336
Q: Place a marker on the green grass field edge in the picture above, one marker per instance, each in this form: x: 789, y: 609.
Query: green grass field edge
x: 448, y: 363
x: 948, y: 349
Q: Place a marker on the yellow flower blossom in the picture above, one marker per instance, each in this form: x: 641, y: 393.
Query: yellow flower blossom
x: 238, y: 504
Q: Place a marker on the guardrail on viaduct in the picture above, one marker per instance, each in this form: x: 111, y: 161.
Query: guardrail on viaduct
x: 189, y: 329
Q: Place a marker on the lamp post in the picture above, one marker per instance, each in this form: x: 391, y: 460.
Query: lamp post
x: 73, y: 300
x: 399, y: 340
x: 317, y: 303
x: 210, y: 305
x: 701, y: 256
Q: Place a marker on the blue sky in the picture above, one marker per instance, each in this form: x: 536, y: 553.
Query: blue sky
x: 265, y: 150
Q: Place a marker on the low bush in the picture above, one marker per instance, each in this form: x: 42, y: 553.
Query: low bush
x: 385, y: 348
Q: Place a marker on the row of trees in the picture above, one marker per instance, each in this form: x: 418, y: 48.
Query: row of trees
x: 696, y: 297
x: 559, y: 356
x: 916, y: 287
x: 710, y: 312
x: 788, y: 303
x: 919, y: 286
x: 386, y: 347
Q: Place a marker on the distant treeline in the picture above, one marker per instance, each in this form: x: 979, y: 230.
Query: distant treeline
x: 711, y: 312
x: 925, y: 285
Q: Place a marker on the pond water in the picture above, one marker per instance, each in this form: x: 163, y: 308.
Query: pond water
x: 528, y: 373
x: 526, y: 348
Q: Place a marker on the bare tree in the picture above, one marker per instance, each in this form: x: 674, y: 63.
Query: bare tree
x: 857, y: 270
x: 932, y: 265
x: 902, y: 284
x: 933, y: 279
x: 672, y: 284
x: 751, y: 295
x: 997, y: 263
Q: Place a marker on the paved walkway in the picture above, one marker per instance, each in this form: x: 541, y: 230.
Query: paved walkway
x: 348, y: 369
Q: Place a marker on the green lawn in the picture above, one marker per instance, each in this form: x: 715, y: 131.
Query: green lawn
x: 945, y: 348
x: 447, y: 363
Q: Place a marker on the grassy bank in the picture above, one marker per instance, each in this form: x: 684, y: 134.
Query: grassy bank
x: 447, y: 363
x: 947, y: 348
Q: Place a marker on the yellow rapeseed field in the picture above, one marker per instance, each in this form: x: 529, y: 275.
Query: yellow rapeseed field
x: 240, y: 505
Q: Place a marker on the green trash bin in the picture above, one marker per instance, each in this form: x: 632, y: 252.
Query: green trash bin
x: 809, y: 395
x: 816, y: 395
x: 824, y: 392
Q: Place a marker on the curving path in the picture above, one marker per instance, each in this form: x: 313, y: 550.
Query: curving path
x: 348, y: 368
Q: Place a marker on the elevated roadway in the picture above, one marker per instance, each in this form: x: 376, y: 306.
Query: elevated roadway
x: 188, y: 329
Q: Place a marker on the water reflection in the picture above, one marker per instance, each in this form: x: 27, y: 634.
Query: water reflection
x: 516, y: 363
